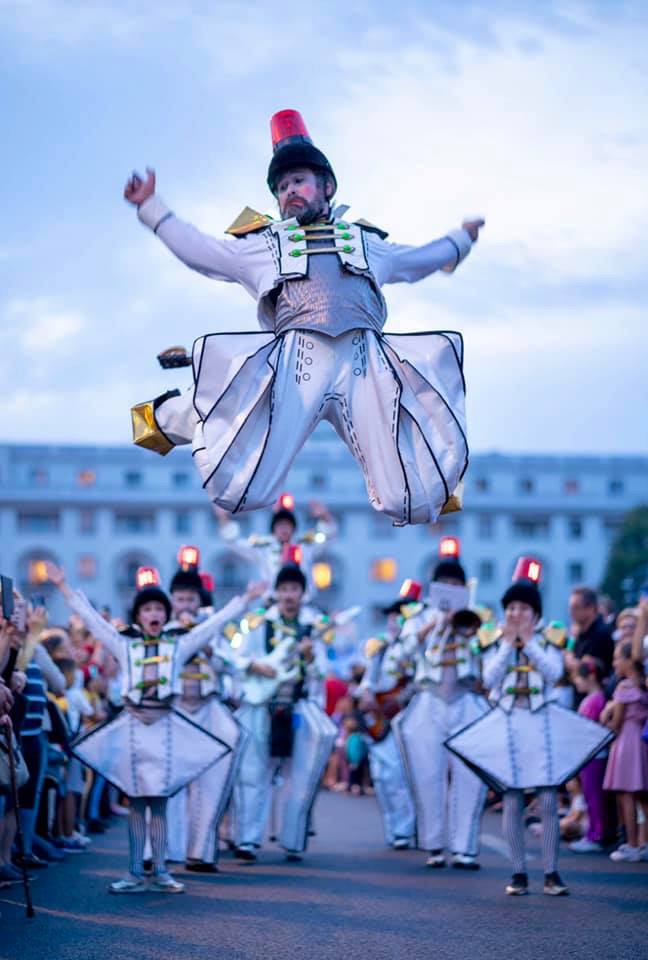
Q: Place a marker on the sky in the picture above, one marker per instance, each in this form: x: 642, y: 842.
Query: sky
x: 533, y: 115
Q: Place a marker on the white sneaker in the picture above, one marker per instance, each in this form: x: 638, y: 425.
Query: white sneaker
x: 626, y: 853
x: 436, y: 859
x: 129, y: 884
x: 464, y: 861
x: 401, y: 843
x: 81, y: 838
x: 165, y: 883
x: 643, y: 852
x: 585, y: 846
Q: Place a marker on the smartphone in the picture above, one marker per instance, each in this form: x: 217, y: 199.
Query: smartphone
x: 6, y: 588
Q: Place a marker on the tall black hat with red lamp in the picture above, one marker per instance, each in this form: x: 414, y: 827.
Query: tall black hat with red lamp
x: 292, y: 147
x: 449, y: 565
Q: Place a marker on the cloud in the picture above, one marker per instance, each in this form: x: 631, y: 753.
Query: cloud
x: 39, y: 324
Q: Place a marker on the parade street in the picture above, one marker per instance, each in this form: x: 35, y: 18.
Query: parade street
x: 350, y: 897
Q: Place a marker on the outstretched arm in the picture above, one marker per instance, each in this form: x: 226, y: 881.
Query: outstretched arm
x: 214, y: 258
x: 195, y: 639
x: 401, y: 263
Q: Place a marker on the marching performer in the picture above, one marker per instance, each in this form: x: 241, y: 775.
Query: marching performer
x: 269, y: 554
x: 290, y: 736
x: 528, y: 742
x: 149, y: 750
x: 195, y: 813
x: 383, y: 693
x: 397, y: 401
x: 449, y: 797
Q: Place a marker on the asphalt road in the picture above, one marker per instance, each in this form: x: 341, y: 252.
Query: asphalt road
x: 350, y: 897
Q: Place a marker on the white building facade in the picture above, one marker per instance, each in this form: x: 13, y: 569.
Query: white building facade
x: 103, y: 511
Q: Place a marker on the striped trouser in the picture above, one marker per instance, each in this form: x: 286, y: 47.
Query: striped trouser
x: 137, y: 833
x: 513, y: 826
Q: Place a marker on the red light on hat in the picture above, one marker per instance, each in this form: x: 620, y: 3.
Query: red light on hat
x: 450, y: 547
x: 411, y: 590
x: 292, y: 553
x: 528, y: 568
x: 286, y: 502
x: 207, y: 581
x: 189, y: 558
x: 285, y: 125
x: 147, y: 577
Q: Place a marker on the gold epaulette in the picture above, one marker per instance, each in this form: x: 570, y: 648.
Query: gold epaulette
x: 409, y: 610
x: 488, y: 635
x: 485, y: 614
x: 556, y: 634
x: 454, y: 503
x: 372, y: 227
x: 256, y: 540
x: 247, y: 222
x: 373, y: 646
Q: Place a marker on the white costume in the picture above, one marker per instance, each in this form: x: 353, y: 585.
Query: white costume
x: 397, y: 401
x: 150, y: 749
x: 194, y: 814
x: 294, y: 779
x: 449, y: 798
x: 386, y: 674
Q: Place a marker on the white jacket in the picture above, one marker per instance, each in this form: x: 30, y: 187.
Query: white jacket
x: 263, y: 259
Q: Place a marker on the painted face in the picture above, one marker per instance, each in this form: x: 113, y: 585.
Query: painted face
x: 283, y: 531
x: 185, y: 601
x: 300, y: 194
x: 520, y: 615
x: 289, y: 597
x: 151, y: 617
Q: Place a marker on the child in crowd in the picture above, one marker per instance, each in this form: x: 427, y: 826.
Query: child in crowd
x: 627, y: 769
x: 588, y: 682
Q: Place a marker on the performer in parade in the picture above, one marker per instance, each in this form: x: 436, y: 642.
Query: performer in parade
x: 283, y: 544
x: 527, y: 742
x: 449, y: 797
x: 290, y: 736
x: 397, y: 400
x: 149, y: 750
x: 383, y: 694
x: 194, y: 814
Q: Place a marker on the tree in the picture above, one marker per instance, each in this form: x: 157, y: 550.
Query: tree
x: 627, y: 566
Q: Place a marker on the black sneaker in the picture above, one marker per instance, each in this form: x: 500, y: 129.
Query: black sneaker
x: 246, y: 852
x: 553, y: 885
x: 200, y: 866
x: 518, y: 885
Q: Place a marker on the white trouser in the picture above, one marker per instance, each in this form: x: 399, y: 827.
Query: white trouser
x: 448, y: 797
x: 392, y: 790
x: 194, y: 814
x: 300, y: 776
x: 397, y: 401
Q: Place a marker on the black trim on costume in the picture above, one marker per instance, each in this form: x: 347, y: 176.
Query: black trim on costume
x: 456, y: 248
x: 158, y: 401
x: 250, y: 356
x: 166, y: 216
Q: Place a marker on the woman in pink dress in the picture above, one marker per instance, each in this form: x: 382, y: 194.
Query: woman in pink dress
x: 627, y: 769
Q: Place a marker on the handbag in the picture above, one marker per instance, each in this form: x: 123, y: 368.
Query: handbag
x: 22, y: 773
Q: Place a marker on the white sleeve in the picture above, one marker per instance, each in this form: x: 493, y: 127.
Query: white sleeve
x: 199, y: 636
x: 401, y: 263
x: 495, y: 664
x: 53, y: 677
x: 217, y: 259
x: 547, y: 660
x: 231, y: 535
x: 98, y: 627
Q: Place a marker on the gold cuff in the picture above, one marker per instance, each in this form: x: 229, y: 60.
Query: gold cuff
x: 146, y: 432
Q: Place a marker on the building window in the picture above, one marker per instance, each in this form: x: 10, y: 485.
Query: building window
x: 87, y: 521
x: 37, y: 573
x: 87, y: 567
x: 575, y: 571
x: 384, y: 570
x: 526, y: 485
x: 133, y: 478
x: 482, y: 484
x: 572, y: 486
x: 615, y: 487
x: 180, y: 480
x: 183, y: 523
x: 574, y: 528
x: 485, y: 526
x: 86, y: 478
x: 38, y: 477
x: 38, y: 522
x: 534, y: 527
x: 134, y: 523
x: 611, y: 527
x: 486, y: 571
x: 318, y: 481
x: 322, y: 575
